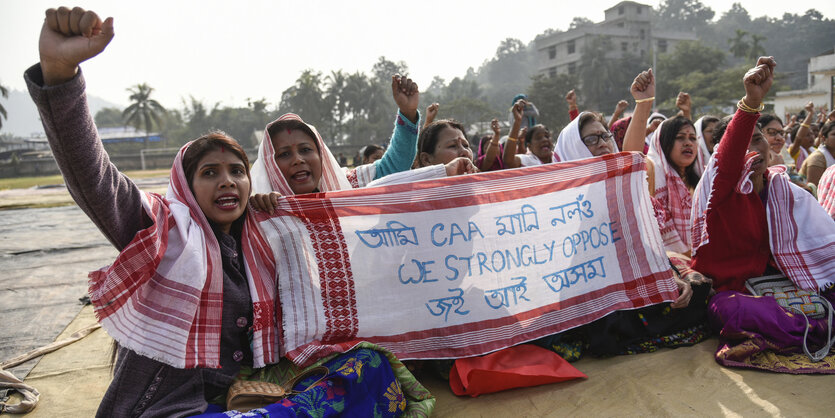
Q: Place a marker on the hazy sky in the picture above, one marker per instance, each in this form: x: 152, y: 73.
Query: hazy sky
x: 229, y: 51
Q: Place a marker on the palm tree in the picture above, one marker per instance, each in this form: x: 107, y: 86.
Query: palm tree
x: 739, y: 47
x: 5, y: 93
x: 757, y: 50
x: 144, y: 111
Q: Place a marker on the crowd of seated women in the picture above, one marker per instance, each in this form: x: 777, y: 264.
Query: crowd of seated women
x: 736, y: 197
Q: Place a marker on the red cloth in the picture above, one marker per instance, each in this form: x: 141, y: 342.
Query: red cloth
x: 572, y: 114
x: 514, y: 367
x: 738, y: 248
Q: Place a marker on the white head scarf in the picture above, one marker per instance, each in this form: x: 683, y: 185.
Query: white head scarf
x: 570, y: 144
x: 704, y: 154
x: 673, y: 196
x: 267, y: 177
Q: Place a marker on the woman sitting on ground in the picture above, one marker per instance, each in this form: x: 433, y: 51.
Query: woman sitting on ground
x: 540, y: 148
x: 673, y: 151
x: 749, y: 220
x: 646, y: 329
x: 293, y: 158
x: 190, y: 299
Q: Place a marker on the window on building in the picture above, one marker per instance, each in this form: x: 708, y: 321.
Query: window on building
x: 624, y: 46
x: 552, y: 72
x: 571, y: 48
x: 552, y: 52
x: 621, y: 10
x: 620, y: 25
x: 643, y: 34
x: 639, y: 9
x: 662, y: 45
x: 572, y: 67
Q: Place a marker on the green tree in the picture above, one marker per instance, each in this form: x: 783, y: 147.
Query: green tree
x: 683, y: 14
x: 144, y: 112
x: 736, y: 16
x: 579, y: 22
x: 548, y: 94
x: 756, y: 49
x: 307, y: 99
x: 5, y: 93
x: 507, y: 74
x: 334, y: 97
x: 739, y: 46
x: 605, y: 80
x: 109, y: 117
x: 687, y: 57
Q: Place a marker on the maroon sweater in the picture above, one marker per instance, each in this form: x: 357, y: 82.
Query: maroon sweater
x: 736, y: 223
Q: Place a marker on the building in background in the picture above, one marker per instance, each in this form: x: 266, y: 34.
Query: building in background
x: 821, y: 91
x: 627, y: 24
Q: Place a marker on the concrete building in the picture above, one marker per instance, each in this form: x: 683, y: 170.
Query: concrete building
x: 821, y: 91
x: 628, y: 26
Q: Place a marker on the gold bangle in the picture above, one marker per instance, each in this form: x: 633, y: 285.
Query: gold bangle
x: 648, y: 99
x: 748, y: 109
x: 805, y: 125
x: 511, y: 139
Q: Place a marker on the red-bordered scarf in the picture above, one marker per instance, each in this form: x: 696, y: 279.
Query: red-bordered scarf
x: 800, y: 234
x: 267, y: 177
x: 163, y: 296
x: 672, y: 196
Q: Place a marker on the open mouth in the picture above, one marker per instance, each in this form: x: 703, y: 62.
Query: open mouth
x: 227, y: 202
x: 687, y: 151
x: 301, y: 176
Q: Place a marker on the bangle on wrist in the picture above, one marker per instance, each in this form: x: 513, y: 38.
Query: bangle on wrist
x: 648, y: 99
x: 511, y: 139
x: 741, y: 105
x: 805, y: 125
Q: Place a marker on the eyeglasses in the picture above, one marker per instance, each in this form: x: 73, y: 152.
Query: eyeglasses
x: 595, y: 139
x: 773, y: 132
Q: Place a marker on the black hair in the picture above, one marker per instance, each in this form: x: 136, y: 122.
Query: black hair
x: 719, y: 129
x: 369, y: 150
x: 532, y: 131
x: 212, y: 141
x: 709, y: 119
x: 828, y: 126
x: 291, y: 125
x: 667, y: 137
x: 767, y: 118
x: 428, y: 138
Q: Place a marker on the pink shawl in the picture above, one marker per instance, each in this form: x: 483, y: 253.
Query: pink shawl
x: 673, y: 198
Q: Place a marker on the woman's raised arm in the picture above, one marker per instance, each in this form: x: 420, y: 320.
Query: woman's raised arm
x: 110, y: 199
